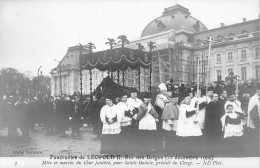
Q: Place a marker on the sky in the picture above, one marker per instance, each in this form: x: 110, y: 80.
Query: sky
x: 34, y: 33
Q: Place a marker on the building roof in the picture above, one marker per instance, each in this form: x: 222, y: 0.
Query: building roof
x: 173, y: 18
x: 229, y: 30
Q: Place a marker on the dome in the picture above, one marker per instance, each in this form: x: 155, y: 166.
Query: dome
x: 173, y: 18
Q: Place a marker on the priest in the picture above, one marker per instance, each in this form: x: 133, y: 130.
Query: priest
x: 147, y: 117
x: 170, y: 117
x: 213, y: 126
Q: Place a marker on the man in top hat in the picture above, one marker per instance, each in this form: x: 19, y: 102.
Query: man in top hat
x: 170, y: 117
x: 147, y: 117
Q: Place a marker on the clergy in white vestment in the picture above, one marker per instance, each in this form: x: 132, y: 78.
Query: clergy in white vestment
x: 199, y: 103
x: 125, y: 122
x: 254, y: 111
x: 187, y: 124
x: 147, y: 117
x: 236, y: 105
x: 110, y: 117
x: 133, y: 104
x: 253, y: 122
x: 232, y: 123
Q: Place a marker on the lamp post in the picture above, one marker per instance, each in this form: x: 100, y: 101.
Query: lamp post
x: 38, y: 82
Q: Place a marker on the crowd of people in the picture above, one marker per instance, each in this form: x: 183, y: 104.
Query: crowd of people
x: 188, y: 119
x: 179, y: 117
x: 21, y: 115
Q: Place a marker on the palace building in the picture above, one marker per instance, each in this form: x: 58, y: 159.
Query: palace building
x: 182, y: 45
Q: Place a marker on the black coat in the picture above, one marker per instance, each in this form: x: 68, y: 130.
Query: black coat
x: 213, y: 125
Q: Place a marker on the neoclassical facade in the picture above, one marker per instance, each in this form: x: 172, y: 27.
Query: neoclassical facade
x: 65, y: 79
x: 182, y: 40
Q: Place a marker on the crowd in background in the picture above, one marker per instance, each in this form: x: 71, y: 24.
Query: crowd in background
x: 177, y: 114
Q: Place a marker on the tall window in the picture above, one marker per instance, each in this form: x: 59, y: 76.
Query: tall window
x: 218, y: 58
x: 96, y: 76
x: 257, y: 52
x: 243, y: 73
x: 230, y: 56
x: 218, y: 72
x: 257, y: 72
x: 196, y: 61
x: 207, y: 60
x: 243, y: 54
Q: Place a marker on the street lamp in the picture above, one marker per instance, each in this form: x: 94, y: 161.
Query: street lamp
x: 38, y: 83
x: 60, y: 76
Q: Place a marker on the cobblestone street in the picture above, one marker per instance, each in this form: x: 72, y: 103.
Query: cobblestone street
x: 43, y: 145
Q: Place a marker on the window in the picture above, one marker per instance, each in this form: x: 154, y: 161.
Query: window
x: 218, y: 72
x: 96, y: 76
x: 218, y: 58
x: 207, y: 60
x: 230, y: 56
x: 243, y: 73
x: 257, y: 72
x: 257, y: 52
x: 243, y: 54
x: 196, y: 61
x: 230, y: 70
x: 219, y: 38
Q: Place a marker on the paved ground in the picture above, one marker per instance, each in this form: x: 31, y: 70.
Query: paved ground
x: 42, y: 145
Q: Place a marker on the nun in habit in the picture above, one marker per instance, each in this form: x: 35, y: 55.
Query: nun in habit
x: 110, y: 117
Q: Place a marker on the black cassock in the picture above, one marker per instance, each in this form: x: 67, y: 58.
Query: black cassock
x: 213, y: 125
